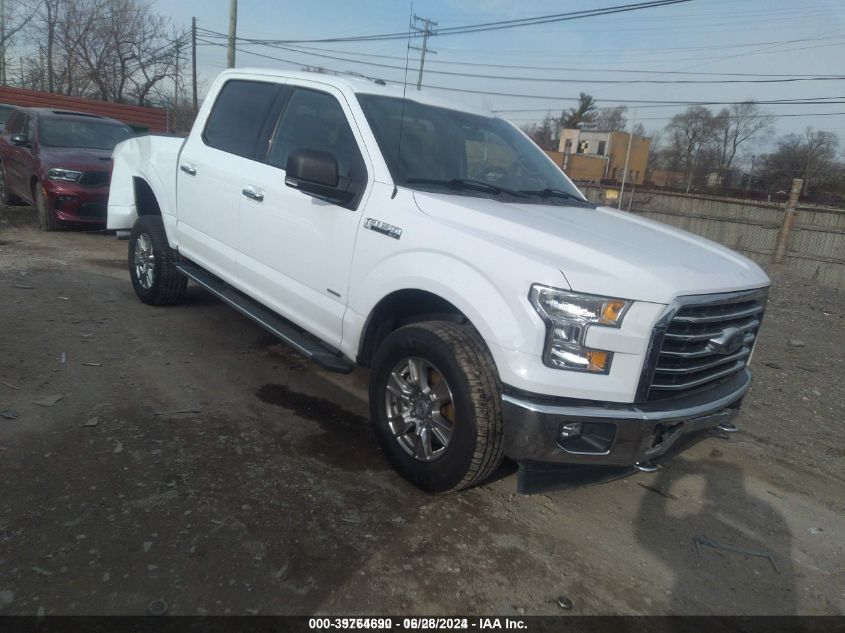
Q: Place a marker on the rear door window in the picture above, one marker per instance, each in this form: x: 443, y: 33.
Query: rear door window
x: 26, y: 129
x: 237, y: 121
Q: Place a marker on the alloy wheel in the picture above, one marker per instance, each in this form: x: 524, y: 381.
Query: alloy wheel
x: 144, y: 261
x: 420, y: 410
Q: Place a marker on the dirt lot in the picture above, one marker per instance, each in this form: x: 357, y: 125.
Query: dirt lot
x: 192, y: 460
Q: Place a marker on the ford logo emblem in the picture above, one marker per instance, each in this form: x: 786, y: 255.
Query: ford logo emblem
x: 728, y: 342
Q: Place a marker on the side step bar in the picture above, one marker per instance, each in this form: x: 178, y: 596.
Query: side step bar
x: 321, y: 353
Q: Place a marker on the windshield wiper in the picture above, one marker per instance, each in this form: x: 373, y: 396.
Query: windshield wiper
x: 465, y: 183
x: 551, y: 193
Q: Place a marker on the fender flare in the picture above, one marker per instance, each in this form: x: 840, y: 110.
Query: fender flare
x: 439, y: 274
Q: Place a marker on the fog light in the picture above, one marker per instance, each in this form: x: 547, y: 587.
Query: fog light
x: 569, y: 430
x: 63, y: 200
x: 586, y: 438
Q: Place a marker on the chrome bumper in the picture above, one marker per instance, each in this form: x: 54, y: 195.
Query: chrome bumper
x: 612, y: 434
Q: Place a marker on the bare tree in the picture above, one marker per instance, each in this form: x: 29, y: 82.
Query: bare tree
x: 733, y: 127
x: 45, y: 22
x: 15, y: 17
x: 611, y: 120
x: 811, y: 157
x: 115, y: 50
x: 544, y: 134
x: 688, y: 133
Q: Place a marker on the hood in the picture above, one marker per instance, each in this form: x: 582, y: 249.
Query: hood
x: 75, y: 158
x: 601, y: 251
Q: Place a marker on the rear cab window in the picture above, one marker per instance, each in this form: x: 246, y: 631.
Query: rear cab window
x: 238, y: 119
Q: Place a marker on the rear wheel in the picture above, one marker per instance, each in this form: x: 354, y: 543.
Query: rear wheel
x: 46, y: 216
x: 152, y: 264
x: 435, y: 403
x: 6, y: 197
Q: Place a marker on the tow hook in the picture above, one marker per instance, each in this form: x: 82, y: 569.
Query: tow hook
x: 647, y: 466
x: 727, y: 427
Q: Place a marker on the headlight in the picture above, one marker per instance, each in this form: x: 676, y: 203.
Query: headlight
x: 568, y: 316
x: 68, y: 175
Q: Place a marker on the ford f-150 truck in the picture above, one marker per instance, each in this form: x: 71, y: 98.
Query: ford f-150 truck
x: 500, y: 312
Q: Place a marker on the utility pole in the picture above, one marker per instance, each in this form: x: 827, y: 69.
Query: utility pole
x: 176, y: 76
x: 40, y: 67
x: 627, y: 157
x: 233, y: 29
x: 427, y: 32
x: 750, y: 174
x: 194, y: 61
x: 781, y: 247
x: 3, y: 42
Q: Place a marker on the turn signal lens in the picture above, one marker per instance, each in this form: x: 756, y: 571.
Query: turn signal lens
x: 598, y: 361
x: 612, y: 310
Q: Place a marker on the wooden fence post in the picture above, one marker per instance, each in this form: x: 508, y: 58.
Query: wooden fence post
x: 788, y: 222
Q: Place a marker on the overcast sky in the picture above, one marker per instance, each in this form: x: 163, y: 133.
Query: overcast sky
x: 713, y: 36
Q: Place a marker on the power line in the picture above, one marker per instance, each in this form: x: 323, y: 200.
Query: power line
x: 583, y: 81
x: 801, y: 101
x: 498, y: 25
x: 755, y: 116
x: 308, y: 49
x: 553, y: 79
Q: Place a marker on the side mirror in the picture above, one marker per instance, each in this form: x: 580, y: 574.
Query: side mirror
x: 19, y: 139
x: 315, y: 173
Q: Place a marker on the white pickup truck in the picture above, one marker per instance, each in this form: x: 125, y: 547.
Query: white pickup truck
x: 500, y: 313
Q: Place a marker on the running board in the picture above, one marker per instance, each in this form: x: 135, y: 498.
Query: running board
x: 321, y: 353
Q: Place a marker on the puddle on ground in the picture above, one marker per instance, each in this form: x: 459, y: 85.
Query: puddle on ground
x: 346, y: 441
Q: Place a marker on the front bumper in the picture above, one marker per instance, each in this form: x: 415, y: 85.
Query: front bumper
x: 612, y: 434
x: 75, y: 204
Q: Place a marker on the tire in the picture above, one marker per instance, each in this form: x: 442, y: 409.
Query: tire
x: 6, y: 197
x: 454, y: 354
x: 152, y: 264
x: 47, y: 220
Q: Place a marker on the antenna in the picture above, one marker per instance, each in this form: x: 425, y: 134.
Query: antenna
x: 404, y: 90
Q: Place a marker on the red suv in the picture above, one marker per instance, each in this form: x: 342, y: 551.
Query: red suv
x: 60, y: 163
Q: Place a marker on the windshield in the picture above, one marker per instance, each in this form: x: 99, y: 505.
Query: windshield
x: 466, y: 153
x: 83, y: 134
x: 5, y: 111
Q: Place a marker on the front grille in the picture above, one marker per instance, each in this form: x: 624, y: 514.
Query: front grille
x: 94, y: 178
x: 703, y: 341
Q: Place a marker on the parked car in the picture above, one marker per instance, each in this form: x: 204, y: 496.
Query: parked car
x: 60, y: 163
x: 500, y: 312
x: 5, y: 111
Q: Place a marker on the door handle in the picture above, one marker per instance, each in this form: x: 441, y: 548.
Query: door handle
x: 252, y: 194
x: 188, y: 169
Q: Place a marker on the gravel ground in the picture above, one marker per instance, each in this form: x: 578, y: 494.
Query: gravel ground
x: 180, y: 455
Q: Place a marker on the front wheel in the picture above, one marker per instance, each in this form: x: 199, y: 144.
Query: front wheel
x: 435, y: 404
x: 152, y: 264
x: 46, y: 216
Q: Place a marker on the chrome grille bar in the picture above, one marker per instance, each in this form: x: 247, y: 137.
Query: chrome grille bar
x: 694, y: 344
x: 695, y: 368
x: 715, y: 318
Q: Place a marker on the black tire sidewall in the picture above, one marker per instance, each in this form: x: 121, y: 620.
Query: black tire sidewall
x: 449, y: 470
x: 5, y: 197
x: 46, y: 220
